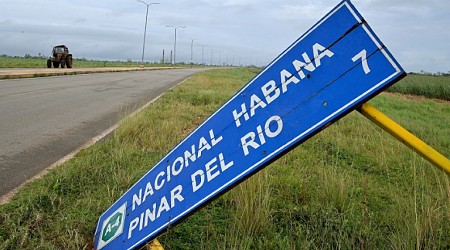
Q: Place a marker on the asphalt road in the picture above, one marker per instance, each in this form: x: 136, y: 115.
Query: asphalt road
x: 44, y: 119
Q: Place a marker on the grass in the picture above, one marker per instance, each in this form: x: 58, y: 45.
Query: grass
x: 424, y: 85
x: 41, y: 62
x: 350, y: 186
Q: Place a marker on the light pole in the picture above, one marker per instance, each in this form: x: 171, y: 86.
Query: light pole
x: 145, y: 28
x: 192, y: 50
x: 175, y: 42
x: 203, y: 53
x: 212, y: 54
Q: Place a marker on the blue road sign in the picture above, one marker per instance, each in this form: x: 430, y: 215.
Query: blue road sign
x: 336, y: 65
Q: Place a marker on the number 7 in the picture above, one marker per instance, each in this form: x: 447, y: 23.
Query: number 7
x: 363, y: 56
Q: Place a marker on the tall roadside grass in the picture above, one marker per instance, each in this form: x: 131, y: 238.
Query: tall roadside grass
x: 424, y: 85
x: 251, y: 213
x: 351, y: 186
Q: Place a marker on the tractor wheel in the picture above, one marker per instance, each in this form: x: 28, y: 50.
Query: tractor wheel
x: 69, y: 62
x: 49, y: 63
x: 55, y: 65
x: 63, y: 64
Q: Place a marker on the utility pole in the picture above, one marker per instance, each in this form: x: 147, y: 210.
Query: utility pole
x: 175, y: 42
x: 192, y: 50
x: 145, y: 29
x: 203, y: 54
x: 212, y: 53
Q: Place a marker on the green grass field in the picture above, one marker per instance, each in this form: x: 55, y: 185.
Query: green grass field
x: 350, y: 186
x: 35, y: 62
x: 424, y: 85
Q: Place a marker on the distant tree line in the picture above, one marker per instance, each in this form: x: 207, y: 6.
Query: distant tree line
x: 39, y: 56
x: 422, y: 72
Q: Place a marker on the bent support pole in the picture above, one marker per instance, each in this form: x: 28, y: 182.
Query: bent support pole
x: 406, y: 137
x: 154, y: 245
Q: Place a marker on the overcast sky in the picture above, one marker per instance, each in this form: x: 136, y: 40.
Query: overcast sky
x: 235, y: 31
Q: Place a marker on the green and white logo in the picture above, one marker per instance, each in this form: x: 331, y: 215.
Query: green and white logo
x: 112, y: 226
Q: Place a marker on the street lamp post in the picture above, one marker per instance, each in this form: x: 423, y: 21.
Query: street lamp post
x: 145, y: 28
x: 203, y: 54
x: 175, y: 42
x: 212, y: 54
x: 192, y: 50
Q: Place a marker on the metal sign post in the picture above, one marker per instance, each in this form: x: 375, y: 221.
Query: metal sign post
x: 338, y: 64
x: 401, y: 134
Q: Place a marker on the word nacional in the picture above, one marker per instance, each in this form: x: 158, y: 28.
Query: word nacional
x: 189, y: 157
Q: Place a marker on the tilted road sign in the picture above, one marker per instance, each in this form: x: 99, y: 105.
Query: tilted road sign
x: 335, y: 66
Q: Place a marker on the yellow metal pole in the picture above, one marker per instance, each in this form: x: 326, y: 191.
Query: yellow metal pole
x: 154, y: 245
x: 406, y: 137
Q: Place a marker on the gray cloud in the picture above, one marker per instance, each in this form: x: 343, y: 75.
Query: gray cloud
x: 246, y: 30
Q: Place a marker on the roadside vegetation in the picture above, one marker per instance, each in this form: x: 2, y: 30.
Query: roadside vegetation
x: 427, y: 85
x: 41, y: 62
x: 350, y: 186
